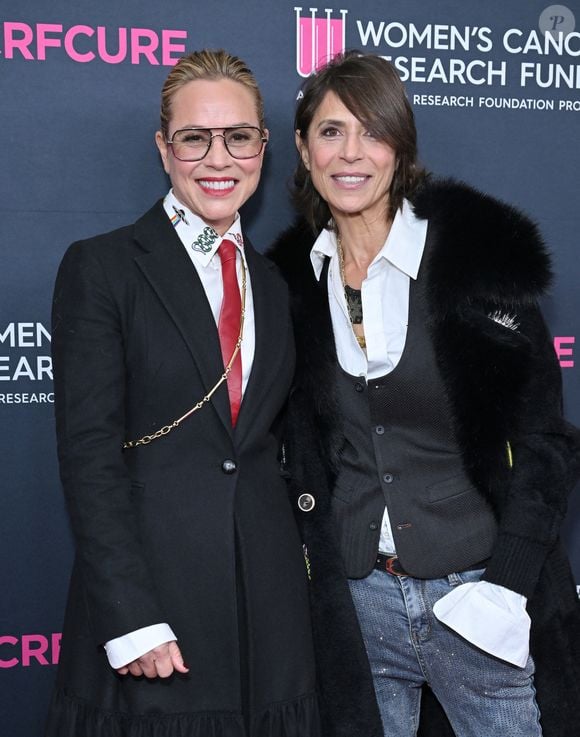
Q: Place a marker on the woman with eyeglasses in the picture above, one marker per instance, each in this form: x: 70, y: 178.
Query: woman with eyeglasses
x: 173, y: 357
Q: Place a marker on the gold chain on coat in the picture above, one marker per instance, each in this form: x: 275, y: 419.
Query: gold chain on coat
x: 166, y: 429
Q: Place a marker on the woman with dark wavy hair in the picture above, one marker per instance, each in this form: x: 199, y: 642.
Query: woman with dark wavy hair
x: 425, y: 441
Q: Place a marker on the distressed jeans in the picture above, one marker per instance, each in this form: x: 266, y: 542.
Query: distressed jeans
x: 407, y: 646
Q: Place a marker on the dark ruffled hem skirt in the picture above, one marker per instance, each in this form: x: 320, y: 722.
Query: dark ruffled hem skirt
x: 71, y: 717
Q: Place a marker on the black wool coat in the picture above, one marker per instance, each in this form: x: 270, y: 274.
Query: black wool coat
x: 485, y: 269
x: 194, y: 529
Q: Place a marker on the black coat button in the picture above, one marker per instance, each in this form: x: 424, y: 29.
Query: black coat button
x: 229, y: 466
x: 306, y: 502
x: 374, y: 526
x: 358, y: 387
x: 388, y: 478
x: 380, y: 430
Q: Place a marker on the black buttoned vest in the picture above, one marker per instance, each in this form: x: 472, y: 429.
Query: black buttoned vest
x: 400, y: 451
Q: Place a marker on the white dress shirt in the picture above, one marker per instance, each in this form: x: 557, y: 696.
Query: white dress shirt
x: 491, y: 617
x: 201, y: 243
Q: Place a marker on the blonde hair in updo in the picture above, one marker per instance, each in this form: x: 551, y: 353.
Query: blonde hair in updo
x: 208, y: 64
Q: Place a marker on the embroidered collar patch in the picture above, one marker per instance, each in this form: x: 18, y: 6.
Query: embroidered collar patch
x: 178, y: 217
x: 205, y: 240
x: 239, y: 239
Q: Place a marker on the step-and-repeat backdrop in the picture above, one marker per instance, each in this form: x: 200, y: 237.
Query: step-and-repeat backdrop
x: 496, y: 91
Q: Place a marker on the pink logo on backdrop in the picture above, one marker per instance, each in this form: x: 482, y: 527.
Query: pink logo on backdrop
x: 564, y: 347
x: 82, y: 43
x: 28, y: 650
x: 318, y: 40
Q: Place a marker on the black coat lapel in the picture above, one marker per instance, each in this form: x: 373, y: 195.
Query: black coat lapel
x: 169, y: 270
x: 271, y: 329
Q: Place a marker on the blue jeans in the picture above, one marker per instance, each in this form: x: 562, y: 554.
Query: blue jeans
x: 407, y: 646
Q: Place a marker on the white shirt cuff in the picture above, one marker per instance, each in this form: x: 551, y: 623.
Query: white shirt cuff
x: 490, y: 617
x: 129, y: 647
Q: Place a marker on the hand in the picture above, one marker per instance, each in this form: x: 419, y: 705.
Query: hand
x: 157, y: 663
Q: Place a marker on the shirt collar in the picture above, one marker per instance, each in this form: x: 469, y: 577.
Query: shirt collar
x: 199, y: 238
x: 403, y: 248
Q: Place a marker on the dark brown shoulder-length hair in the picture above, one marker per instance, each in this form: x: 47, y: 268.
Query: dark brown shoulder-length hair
x: 371, y: 89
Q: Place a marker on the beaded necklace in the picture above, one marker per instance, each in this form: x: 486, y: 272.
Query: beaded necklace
x: 353, y: 297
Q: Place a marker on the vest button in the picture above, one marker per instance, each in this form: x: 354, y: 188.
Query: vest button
x: 380, y: 430
x: 306, y: 502
x: 358, y: 387
x: 388, y: 478
x: 374, y: 526
x: 229, y: 466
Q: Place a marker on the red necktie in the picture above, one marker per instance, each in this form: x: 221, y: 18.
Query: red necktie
x: 229, y: 324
